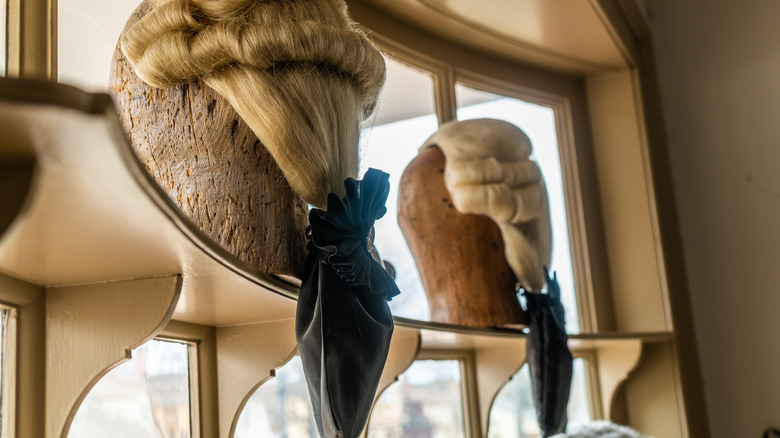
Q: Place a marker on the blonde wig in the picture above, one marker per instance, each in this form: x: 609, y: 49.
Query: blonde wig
x: 298, y: 72
x: 489, y: 171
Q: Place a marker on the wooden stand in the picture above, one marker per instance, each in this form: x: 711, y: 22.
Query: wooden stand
x: 460, y: 256
x: 214, y: 167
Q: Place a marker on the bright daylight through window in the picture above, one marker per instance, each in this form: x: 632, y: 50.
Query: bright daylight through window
x: 427, y: 401
x: 7, y: 357
x: 513, y: 415
x: 538, y: 122
x: 280, y: 407
x: 147, y: 396
x: 390, y: 142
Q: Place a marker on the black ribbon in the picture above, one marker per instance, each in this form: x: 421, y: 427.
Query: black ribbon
x: 343, y: 322
x: 549, y: 358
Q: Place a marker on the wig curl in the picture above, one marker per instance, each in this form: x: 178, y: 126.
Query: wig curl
x: 489, y: 171
x: 299, y: 73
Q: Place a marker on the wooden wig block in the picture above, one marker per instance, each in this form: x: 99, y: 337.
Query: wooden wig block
x: 213, y: 166
x: 460, y: 256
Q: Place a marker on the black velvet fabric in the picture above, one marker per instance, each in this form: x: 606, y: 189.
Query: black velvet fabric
x: 343, y: 322
x: 549, y: 358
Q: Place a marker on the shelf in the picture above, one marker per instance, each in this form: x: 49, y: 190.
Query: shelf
x: 93, y: 214
x: 439, y: 336
x: 81, y: 217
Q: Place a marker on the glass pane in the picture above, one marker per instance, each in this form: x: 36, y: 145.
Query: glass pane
x: 147, y: 396
x: 513, y: 414
x: 280, y: 407
x: 87, y: 34
x: 538, y: 122
x: 405, y: 118
x: 5, y: 356
x: 426, y: 401
x: 578, y: 409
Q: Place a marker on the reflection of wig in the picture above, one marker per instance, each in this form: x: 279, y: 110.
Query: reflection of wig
x: 489, y: 171
x: 298, y: 72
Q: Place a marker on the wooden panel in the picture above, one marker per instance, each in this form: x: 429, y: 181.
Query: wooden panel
x: 496, y: 360
x: 615, y: 361
x: 654, y: 401
x: 32, y: 39
x: 204, y: 394
x: 30, y: 363
x: 633, y: 244
x: 248, y: 355
x: 562, y: 35
x: 92, y: 328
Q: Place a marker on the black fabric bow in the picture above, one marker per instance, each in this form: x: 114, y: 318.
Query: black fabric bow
x: 549, y: 358
x: 343, y: 322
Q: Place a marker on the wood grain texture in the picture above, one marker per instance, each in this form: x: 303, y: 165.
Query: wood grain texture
x: 460, y: 256
x: 213, y: 166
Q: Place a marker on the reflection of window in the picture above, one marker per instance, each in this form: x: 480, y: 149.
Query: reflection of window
x: 397, y: 130
x: 280, y: 407
x: 538, y: 122
x: 513, y: 415
x: 427, y: 401
x: 147, y: 396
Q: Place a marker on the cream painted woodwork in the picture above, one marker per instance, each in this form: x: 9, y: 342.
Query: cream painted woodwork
x: 92, y: 328
x: 28, y: 356
x: 497, y: 360
x: 32, y: 38
x: 203, y: 370
x: 616, y: 360
x: 653, y: 398
x: 245, y: 320
x: 404, y: 348
x: 16, y: 179
x: 83, y: 214
x: 633, y: 241
x: 451, y: 63
x: 499, y: 354
x: 96, y: 214
x: 247, y: 356
x: 568, y: 36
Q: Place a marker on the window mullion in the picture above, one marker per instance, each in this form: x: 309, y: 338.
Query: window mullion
x: 444, y: 91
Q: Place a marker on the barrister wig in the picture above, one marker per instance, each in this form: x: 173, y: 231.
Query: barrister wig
x: 298, y: 72
x: 489, y: 171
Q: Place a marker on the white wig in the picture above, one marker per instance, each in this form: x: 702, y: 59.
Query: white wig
x: 489, y: 172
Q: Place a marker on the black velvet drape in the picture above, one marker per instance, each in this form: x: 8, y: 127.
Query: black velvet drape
x: 549, y: 358
x: 343, y: 322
